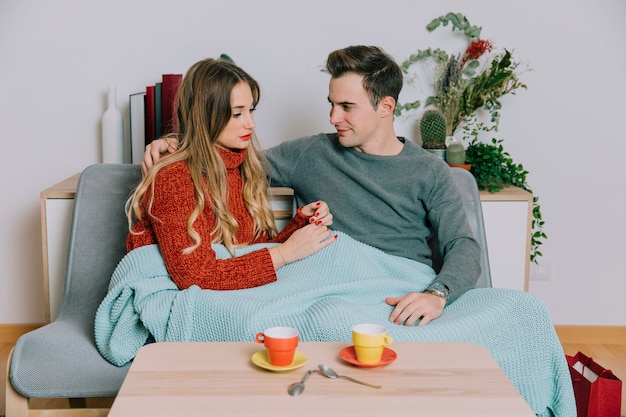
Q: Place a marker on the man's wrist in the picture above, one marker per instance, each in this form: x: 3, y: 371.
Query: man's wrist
x: 438, y: 289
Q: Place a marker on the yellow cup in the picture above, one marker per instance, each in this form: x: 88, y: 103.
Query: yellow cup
x: 369, y: 342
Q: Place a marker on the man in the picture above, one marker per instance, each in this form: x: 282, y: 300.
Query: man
x: 382, y: 190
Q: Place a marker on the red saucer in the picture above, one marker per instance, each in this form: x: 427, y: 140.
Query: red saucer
x: 349, y: 355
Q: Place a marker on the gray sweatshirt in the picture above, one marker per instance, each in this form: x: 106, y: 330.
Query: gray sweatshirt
x: 390, y: 202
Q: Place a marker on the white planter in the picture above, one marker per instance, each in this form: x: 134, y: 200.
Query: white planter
x: 441, y: 153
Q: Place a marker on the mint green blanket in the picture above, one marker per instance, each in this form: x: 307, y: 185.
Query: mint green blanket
x: 323, y: 296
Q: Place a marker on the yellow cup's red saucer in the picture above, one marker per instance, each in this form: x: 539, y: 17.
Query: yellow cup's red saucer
x: 349, y: 355
x: 261, y: 360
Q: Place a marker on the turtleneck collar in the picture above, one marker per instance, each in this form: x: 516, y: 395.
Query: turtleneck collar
x: 232, y: 159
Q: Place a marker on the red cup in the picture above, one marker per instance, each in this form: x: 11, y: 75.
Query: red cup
x: 280, y: 343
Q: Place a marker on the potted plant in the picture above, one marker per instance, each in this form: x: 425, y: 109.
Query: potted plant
x: 466, y: 83
x: 433, y: 132
x: 466, y: 87
x: 456, y: 156
x: 494, y: 169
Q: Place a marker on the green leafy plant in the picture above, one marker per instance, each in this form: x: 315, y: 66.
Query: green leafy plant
x: 465, y: 84
x: 494, y: 170
x: 468, y: 82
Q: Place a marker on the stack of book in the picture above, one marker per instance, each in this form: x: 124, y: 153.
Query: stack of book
x: 153, y: 113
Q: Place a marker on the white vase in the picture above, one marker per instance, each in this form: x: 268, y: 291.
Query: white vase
x: 112, y: 132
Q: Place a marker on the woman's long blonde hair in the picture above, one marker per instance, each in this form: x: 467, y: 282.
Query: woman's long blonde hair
x: 203, y: 110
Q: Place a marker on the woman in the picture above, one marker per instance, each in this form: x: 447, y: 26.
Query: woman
x: 214, y: 190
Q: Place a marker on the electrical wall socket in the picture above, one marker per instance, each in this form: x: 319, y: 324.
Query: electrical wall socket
x: 541, y: 271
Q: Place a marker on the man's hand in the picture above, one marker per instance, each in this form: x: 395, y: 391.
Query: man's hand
x: 414, y: 306
x: 155, y: 150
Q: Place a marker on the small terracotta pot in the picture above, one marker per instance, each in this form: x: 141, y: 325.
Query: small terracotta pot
x: 464, y: 166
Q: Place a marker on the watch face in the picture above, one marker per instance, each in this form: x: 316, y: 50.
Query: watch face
x: 439, y: 289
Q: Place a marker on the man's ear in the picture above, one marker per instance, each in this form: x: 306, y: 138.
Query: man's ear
x: 387, y: 106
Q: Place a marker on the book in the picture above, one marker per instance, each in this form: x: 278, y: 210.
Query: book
x: 137, y: 126
x: 150, y: 115
x: 169, y: 92
x: 158, y: 125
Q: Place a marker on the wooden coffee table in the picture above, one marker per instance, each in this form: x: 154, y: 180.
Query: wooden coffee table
x: 203, y: 379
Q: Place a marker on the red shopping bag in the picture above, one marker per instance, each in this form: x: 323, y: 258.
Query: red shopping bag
x: 597, y: 391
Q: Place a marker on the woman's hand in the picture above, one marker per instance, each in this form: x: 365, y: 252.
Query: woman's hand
x: 318, y: 212
x: 302, y: 243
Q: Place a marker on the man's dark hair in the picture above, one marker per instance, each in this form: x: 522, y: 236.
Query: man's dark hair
x: 382, y: 75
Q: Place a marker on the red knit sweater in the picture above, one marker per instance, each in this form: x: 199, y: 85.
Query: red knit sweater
x: 173, y: 203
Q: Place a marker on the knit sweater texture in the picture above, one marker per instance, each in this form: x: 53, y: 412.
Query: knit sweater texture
x: 393, y: 203
x: 174, y: 201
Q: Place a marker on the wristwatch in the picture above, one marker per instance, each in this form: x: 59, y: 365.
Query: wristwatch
x: 438, y: 289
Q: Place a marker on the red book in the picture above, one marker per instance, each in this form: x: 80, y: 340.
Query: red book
x: 169, y: 91
x: 150, y: 115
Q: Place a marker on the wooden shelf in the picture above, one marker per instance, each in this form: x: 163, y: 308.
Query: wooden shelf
x: 67, y: 189
x: 507, y: 194
x: 63, y: 189
x: 504, y: 212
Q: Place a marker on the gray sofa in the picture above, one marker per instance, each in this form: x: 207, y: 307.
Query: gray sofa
x: 60, y: 360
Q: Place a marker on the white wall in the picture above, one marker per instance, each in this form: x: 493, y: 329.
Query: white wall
x: 58, y: 56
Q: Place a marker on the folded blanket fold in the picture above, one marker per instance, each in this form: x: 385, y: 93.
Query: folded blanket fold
x: 323, y: 296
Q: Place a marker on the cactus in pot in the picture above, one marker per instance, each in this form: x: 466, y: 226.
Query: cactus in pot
x: 433, y: 130
x: 455, y: 153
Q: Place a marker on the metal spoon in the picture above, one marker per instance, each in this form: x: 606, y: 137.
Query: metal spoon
x: 329, y: 373
x: 296, y: 388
